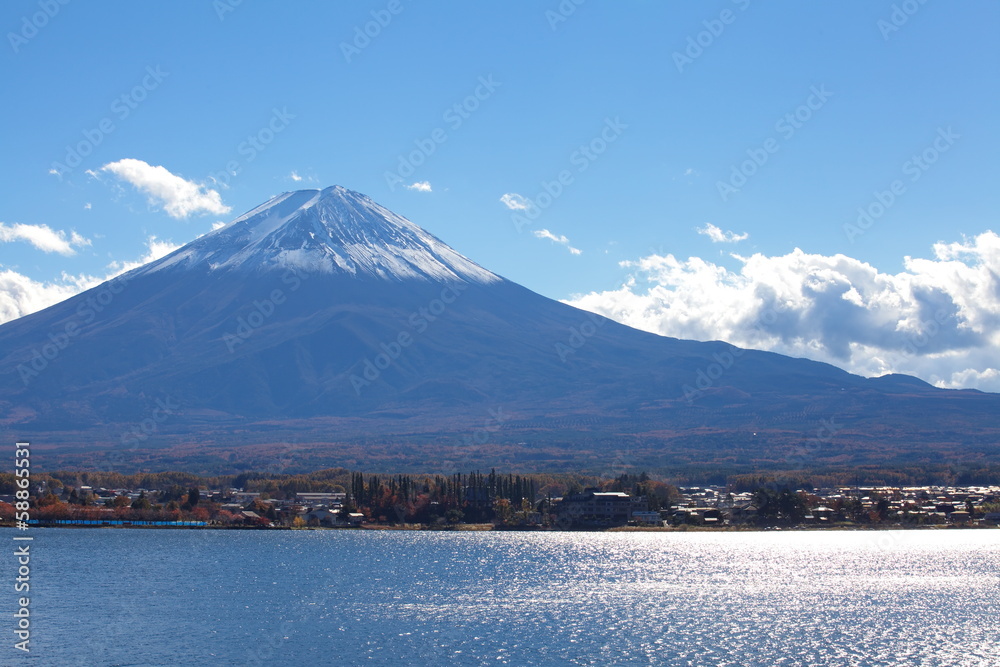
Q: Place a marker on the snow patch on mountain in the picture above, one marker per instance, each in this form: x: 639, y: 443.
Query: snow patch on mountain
x: 329, y: 231
x: 305, y: 261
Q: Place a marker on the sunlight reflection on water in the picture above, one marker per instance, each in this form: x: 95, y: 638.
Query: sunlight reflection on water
x: 382, y: 597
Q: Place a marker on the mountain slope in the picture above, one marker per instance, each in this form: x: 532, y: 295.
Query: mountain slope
x: 323, y: 318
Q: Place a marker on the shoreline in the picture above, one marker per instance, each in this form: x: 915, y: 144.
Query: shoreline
x: 483, y: 528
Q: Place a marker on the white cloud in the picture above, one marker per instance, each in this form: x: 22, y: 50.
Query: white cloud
x: 562, y: 240
x: 939, y: 319
x: 987, y: 380
x: 516, y: 202
x: 21, y: 295
x: 719, y: 236
x: 219, y: 224
x: 155, y: 249
x: 87, y: 206
x: 179, y: 198
x: 546, y: 234
x: 297, y: 177
x: 43, y: 237
x: 420, y: 186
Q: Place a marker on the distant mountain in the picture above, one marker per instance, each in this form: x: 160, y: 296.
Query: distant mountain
x: 323, y: 329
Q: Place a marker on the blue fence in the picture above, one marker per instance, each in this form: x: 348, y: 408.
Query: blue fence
x: 111, y: 522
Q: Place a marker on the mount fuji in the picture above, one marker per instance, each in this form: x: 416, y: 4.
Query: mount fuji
x: 322, y: 329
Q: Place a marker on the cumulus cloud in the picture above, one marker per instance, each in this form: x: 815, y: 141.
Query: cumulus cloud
x: 21, y: 295
x: 939, y: 319
x: 719, y: 236
x: 295, y: 176
x: 516, y: 202
x: 988, y: 380
x: 562, y: 240
x: 419, y: 186
x: 155, y: 249
x: 43, y: 237
x: 179, y: 198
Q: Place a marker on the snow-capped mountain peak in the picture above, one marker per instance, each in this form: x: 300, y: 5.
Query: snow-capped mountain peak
x: 334, y: 230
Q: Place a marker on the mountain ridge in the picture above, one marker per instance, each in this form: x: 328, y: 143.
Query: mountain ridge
x: 405, y: 344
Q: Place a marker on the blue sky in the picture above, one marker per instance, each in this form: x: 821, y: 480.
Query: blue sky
x: 670, y: 99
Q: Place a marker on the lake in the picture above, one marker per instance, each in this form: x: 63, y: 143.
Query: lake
x: 203, y: 597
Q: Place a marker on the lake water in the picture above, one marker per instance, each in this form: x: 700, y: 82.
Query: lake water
x: 175, y: 597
